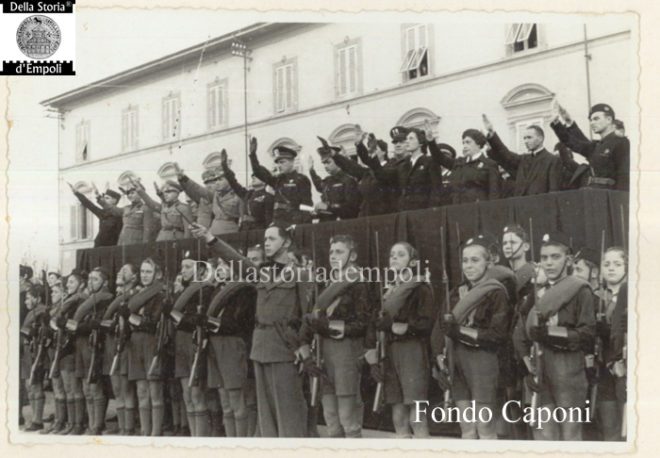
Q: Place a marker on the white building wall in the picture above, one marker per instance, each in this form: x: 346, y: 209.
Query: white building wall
x: 468, y: 79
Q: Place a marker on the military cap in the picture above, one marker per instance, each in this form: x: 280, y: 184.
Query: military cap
x: 188, y: 255
x: 479, y: 240
x: 556, y: 238
x: 516, y: 229
x: 588, y: 254
x: 398, y: 133
x: 602, y: 107
x: 113, y: 194
x: 208, y: 174
x: 445, y: 148
x: 326, y: 150
x: 283, y: 152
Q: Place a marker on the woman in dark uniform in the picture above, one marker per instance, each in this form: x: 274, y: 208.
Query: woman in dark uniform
x: 143, y: 312
x: 87, y: 320
x: 614, y: 275
x: 124, y: 391
x: 338, y: 322
x: 57, y: 299
x: 480, y: 322
x: 474, y: 177
x: 406, y: 318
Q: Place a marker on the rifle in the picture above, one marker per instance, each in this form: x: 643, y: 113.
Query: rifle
x: 38, y: 359
x: 95, y: 340
x: 459, y: 241
x: 598, y: 345
x: 316, y: 343
x: 381, y: 340
x: 536, y: 352
x: 121, y: 327
x: 162, y: 324
x: 199, y: 338
x: 447, y: 356
x: 60, y: 342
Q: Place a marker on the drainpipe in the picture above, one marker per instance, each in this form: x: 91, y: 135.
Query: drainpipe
x: 587, y: 58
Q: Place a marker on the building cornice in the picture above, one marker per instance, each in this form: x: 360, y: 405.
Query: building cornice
x: 509, y: 61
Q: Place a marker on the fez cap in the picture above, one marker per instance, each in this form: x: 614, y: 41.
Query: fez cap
x: 325, y: 149
x: 283, y: 152
x: 479, y: 240
x: 445, y: 148
x: 399, y: 133
x: 556, y: 238
x: 602, y: 107
x: 113, y: 194
x: 588, y: 254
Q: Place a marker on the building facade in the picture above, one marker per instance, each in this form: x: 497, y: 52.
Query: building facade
x: 305, y: 80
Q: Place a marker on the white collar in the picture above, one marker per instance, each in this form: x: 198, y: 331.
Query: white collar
x: 537, y: 151
x: 474, y: 158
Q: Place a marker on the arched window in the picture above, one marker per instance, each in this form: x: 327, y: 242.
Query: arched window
x: 344, y: 136
x: 289, y: 143
x: 525, y: 105
x: 81, y: 221
x: 416, y: 118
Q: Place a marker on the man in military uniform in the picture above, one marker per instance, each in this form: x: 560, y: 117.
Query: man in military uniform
x: 137, y: 218
x: 609, y: 157
x: 225, y: 205
x: 257, y: 201
x: 536, y: 172
x: 173, y: 213
x: 109, y: 222
x: 339, y: 191
x: 292, y: 189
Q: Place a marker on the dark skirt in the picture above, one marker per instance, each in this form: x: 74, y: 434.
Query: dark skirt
x: 109, y: 350
x: 407, y: 372
x: 476, y: 373
x: 141, y: 350
x: 342, y: 364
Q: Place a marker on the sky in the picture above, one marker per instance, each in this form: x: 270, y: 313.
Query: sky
x: 107, y: 42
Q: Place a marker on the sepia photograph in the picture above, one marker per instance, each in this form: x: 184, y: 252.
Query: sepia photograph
x: 335, y: 229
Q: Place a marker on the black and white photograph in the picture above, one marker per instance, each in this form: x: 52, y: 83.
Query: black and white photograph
x: 261, y: 229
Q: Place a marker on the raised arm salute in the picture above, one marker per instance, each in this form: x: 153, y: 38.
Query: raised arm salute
x: 537, y: 171
x: 172, y: 224
x: 292, y: 189
x: 110, y: 221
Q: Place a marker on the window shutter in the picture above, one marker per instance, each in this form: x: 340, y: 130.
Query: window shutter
x: 124, y: 131
x: 220, y: 108
x: 410, y: 42
x: 512, y: 34
x: 166, y: 118
x: 86, y: 149
x: 73, y: 221
x: 289, y: 86
x: 342, y: 71
x: 279, y: 99
x: 211, y: 107
x: 134, y: 128
x: 421, y: 40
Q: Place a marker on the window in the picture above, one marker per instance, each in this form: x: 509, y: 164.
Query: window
x: 129, y: 129
x: 81, y: 220
x: 521, y: 37
x: 285, y: 85
x: 82, y: 141
x: 416, y: 53
x: 520, y: 131
x: 171, y: 117
x: 348, y: 68
x: 217, y: 104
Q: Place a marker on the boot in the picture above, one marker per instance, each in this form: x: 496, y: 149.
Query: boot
x: 99, y: 416
x: 71, y: 417
x: 241, y: 425
x: 203, y: 424
x: 78, y: 415
x: 58, y: 421
x: 354, y: 434
x: 192, y: 423
x: 157, y: 413
x: 230, y: 424
x: 121, y: 421
x: 129, y: 421
x: 145, y: 421
x: 217, y: 429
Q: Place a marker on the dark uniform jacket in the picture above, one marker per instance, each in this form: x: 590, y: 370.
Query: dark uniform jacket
x: 419, y: 184
x: 258, y: 203
x: 535, y: 173
x: 609, y: 157
x: 375, y: 196
x: 340, y: 193
x: 110, y: 223
x: 471, y: 180
x: 291, y: 190
x: 138, y: 222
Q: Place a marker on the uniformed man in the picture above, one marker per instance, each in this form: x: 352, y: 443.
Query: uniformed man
x: 224, y: 203
x: 282, y: 296
x: 536, y: 172
x: 173, y: 212
x: 136, y: 218
x: 258, y: 202
x: 292, y: 189
x: 110, y: 223
x: 340, y: 197
x: 373, y: 194
x: 608, y: 157
x: 561, y: 323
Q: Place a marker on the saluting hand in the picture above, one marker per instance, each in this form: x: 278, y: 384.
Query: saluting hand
x: 371, y: 143
x: 96, y: 191
x: 428, y: 130
x: 223, y: 156
x: 253, y: 145
x: 488, y: 126
x: 73, y: 190
x: 359, y: 135
x: 177, y: 170
x: 309, y: 162
x: 157, y: 189
x: 565, y: 114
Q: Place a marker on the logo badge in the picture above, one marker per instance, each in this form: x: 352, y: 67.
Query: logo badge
x: 38, y: 37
